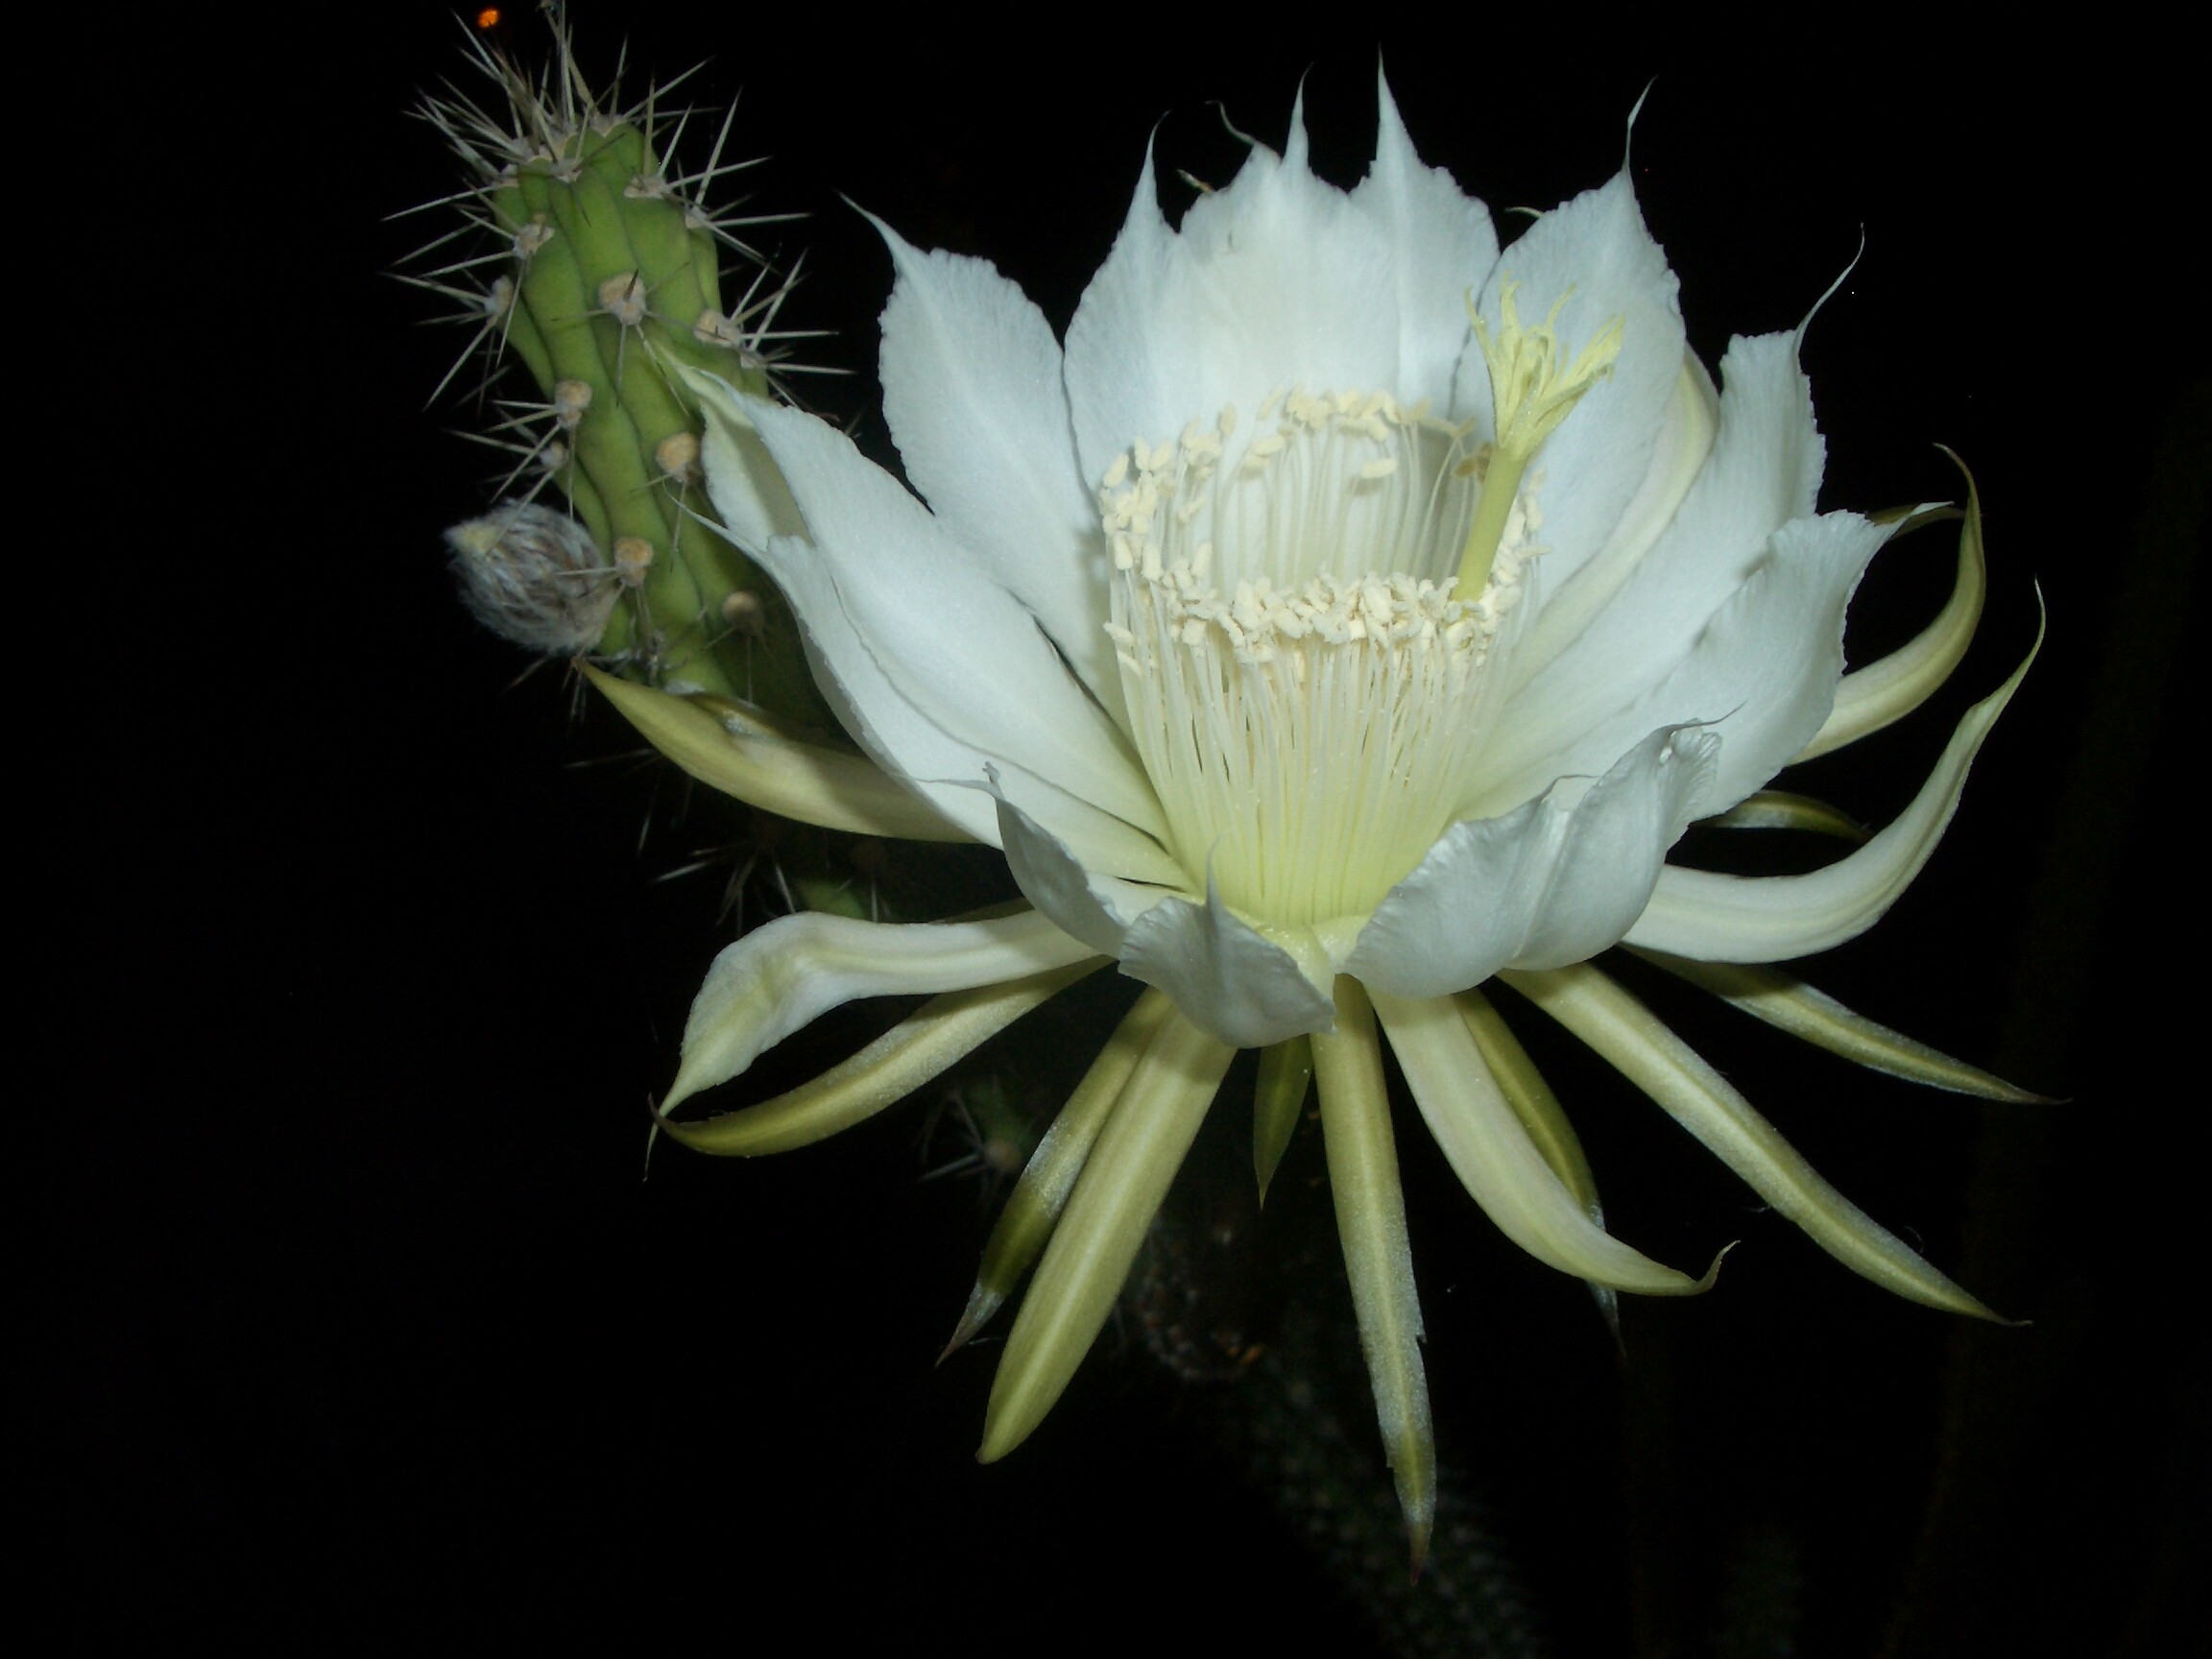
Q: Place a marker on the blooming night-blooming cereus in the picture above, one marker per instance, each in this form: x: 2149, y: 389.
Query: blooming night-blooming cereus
x: 1346, y: 614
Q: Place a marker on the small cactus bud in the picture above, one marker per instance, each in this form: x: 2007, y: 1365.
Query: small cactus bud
x: 533, y: 575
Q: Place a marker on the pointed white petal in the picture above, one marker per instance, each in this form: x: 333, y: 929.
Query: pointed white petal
x: 1493, y: 1155
x: 950, y: 641
x: 1716, y: 918
x: 1272, y: 283
x: 1371, y: 1223
x: 797, y: 968
x: 1565, y: 609
x: 1649, y: 1055
x: 1556, y: 880
x: 1763, y: 471
x: 973, y: 393
x: 1246, y: 987
x: 1116, y: 1197
x: 1788, y: 1004
x: 943, y: 1030
x: 877, y: 715
x: 1595, y: 251
x: 927, y: 715
x: 1758, y: 673
x: 799, y: 781
x: 1886, y: 690
x: 751, y: 500
x: 1443, y: 246
x: 1095, y: 843
x: 1095, y: 908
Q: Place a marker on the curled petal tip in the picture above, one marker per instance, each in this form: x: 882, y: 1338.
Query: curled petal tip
x: 1713, y: 1273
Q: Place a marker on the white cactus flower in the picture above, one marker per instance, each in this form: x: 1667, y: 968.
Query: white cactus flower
x: 1345, y: 614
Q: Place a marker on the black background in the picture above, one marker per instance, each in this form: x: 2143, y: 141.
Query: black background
x: 372, y: 1334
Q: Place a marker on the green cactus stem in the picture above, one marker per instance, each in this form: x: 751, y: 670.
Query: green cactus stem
x: 607, y: 281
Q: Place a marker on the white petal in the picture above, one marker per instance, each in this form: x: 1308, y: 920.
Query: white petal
x: 1444, y: 247
x: 1595, y: 251
x: 1556, y: 880
x: 1093, y: 891
x: 877, y: 716
x: 751, y: 499
x: 1247, y: 988
x: 782, y: 976
x: 1274, y: 281
x: 958, y: 648
x: 1687, y: 434
x: 1761, y: 672
x: 1716, y: 918
x: 973, y: 393
x: 1493, y: 1155
x: 1764, y: 470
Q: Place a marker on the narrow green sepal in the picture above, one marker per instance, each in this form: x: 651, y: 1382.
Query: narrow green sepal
x: 1378, y: 1258
x: 1884, y: 691
x: 1779, y: 810
x: 1285, y: 1073
x: 747, y: 759
x: 919, y: 1047
x: 1041, y: 1194
x: 1641, y: 1047
x: 1788, y: 1004
x: 1115, y: 1196
x: 1544, y: 1118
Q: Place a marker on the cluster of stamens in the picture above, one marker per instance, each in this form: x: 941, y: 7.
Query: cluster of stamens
x: 1308, y: 694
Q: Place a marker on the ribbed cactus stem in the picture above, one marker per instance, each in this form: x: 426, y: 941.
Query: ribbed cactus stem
x: 613, y: 284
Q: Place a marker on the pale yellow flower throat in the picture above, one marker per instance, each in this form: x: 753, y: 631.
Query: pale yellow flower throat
x: 1306, y: 692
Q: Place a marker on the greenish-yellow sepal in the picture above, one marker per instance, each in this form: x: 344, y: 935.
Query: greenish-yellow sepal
x: 1624, y: 1033
x: 1116, y: 1197
x: 1041, y: 1193
x: 1788, y: 1004
x: 1371, y: 1224
x: 921, y: 1046
x: 1886, y: 690
x: 805, y: 782
x: 1779, y: 810
x: 1545, y: 1119
x: 1285, y: 1070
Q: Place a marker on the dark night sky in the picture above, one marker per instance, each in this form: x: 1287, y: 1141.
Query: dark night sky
x: 384, y: 1339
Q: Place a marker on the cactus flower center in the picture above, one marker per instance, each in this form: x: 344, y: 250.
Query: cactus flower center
x: 1307, y: 694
